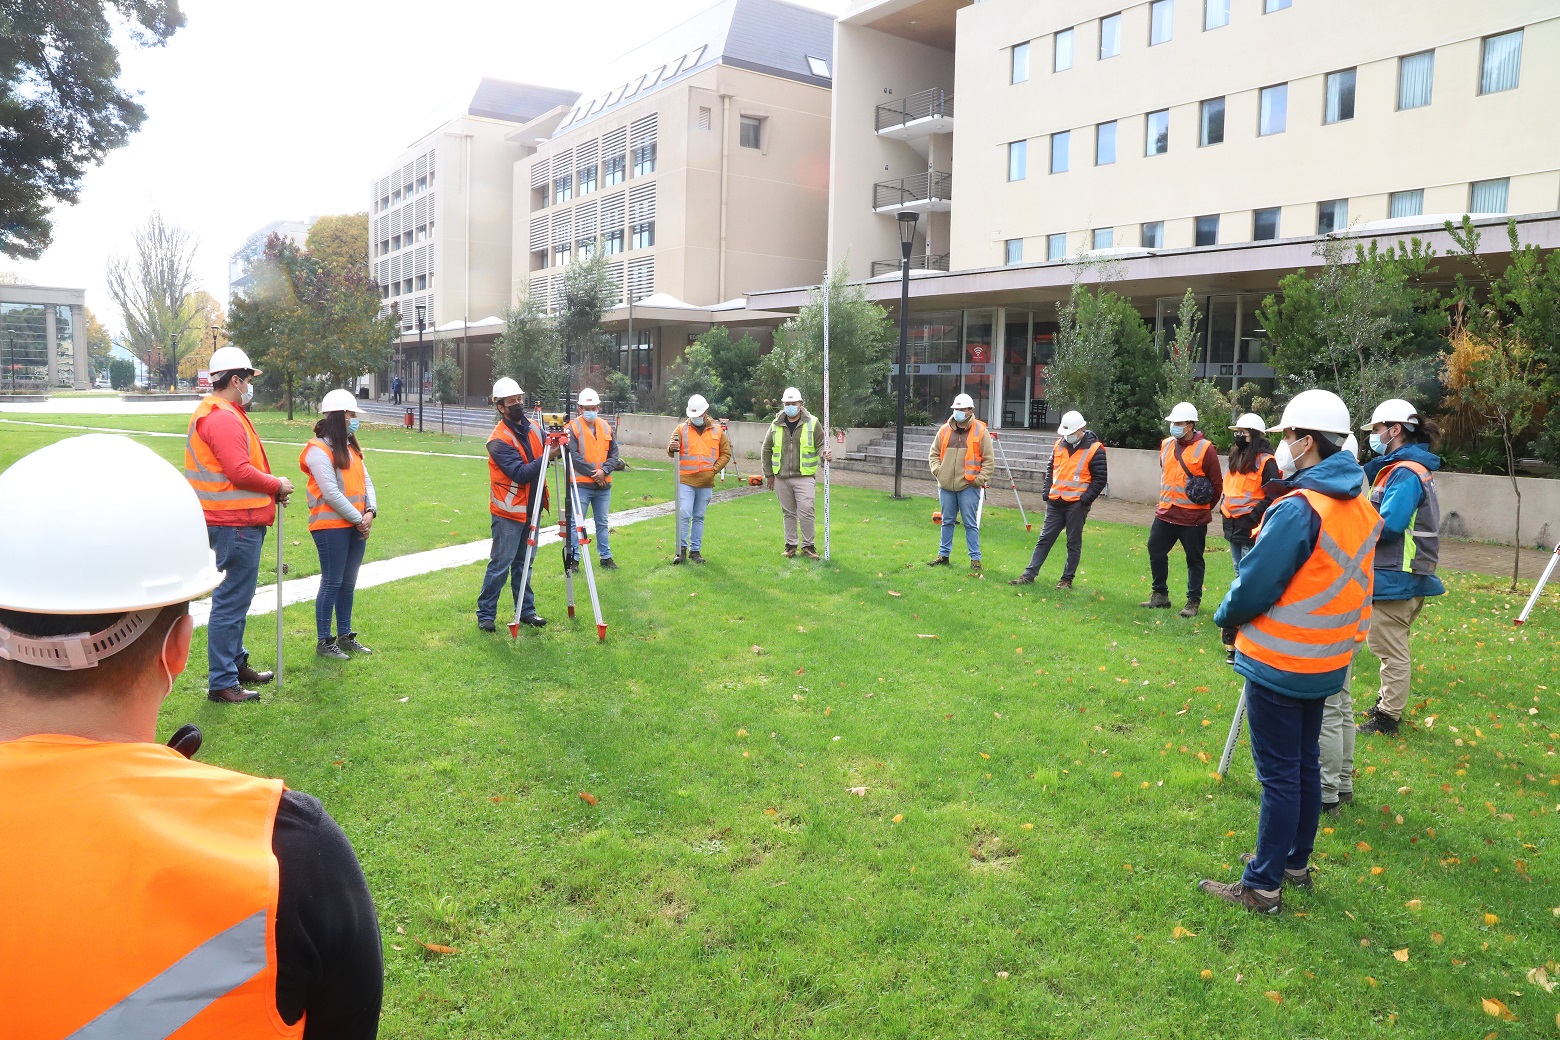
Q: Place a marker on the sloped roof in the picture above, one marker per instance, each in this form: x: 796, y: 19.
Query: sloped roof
x: 516, y: 102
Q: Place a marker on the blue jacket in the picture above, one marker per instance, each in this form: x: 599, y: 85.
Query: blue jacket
x: 1289, y: 533
x: 1402, y: 496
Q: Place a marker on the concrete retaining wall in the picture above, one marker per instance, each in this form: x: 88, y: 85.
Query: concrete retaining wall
x: 747, y: 438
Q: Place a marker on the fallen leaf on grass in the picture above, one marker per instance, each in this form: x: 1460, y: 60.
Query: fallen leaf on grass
x: 1496, y: 1009
x: 1540, y: 978
x: 984, y: 755
x: 859, y: 792
x: 1372, y: 983
x: 898, y: 818
x: 771, y: 812
x: 1491, y: 920
x: 1026, y: 826
x: 1275, y: 996
x: 891, y: 592
x: 1002, y: 974
x: 1413, y: 904
x: 742, y: 732
x: 496, y: 798
x: 1401, y: 955
x: 923, y: 635
x: 445, y: 951
x: 1205, y: 975
x: 1437, y: 938
x: 396, y: 948
x: 1181, y: 933
x: 588, y: 798
x: 758, y: 650
x: 1362, y: 846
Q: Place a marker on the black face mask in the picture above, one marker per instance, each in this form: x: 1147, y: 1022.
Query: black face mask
x: 1242, y: 441
x: 516, y: 412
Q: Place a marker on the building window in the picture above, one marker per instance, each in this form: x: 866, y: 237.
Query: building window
x: 422, y: 282
x: 1110, y: 36
x: 612, y: 242
x: 1101, y: 238
x: 643, y: 235
x: 750, y: 133
x: 1013, y: 251
x: 1264, y: 225
x: 704, y: 118
x: 1018, y: 160
x: 1105, y: 143
x: 1332, y: 216
x: 585, y: 248
x: 1416, y: 78
x: 1161, y: 22
x: 1406, y: 203
x: 560, y: 254
x: 818, y: 67
x: 422, y: 232
x: 1275, y: 110
x: 1216, y: 13
x: 1019, y: 72
x: 1340, y: 97
x: 1064, y: 51
x: 395, y: 196
x: 644, y: 159
x: 422, y: 184
x: 1502, y: 63
x: 1157, y: 138
x: 1207, y: 231
x: 1060, y: 145
x: 1488, y: 196
x: 395, y: 242
x: 563, y: 188
x: 1056, y: 247
x: 587, y: 179
x: 1269, y: 6
x: 612, y: 171
x: 1210, y: 122
x: 1154, y: 234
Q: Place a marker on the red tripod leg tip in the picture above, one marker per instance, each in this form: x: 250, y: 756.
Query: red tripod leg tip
x: 601, y: 633
x: 514, y: 630
x: 571, y: 610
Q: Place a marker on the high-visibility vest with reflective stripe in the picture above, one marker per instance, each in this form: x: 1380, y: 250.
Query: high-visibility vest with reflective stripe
x: 698, y: 449
x: 140, y: 895
x: 1172, y: 480
x: 354, y: 484
x: 1326, y: 609
x: 506, y: 497
x: 216, y: 492
x: 972, y: 441
x: 595, y: 440
x: 807, y: 449
x: 1070, y: 471
x: 1243, y: 491
x: 1426, y: 526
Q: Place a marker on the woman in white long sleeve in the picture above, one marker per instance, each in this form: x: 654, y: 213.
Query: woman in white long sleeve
x: 342, y: 508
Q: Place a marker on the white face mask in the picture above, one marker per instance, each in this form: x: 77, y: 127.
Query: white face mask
x: 961, y: 417
x: 249, y: 394
x: 1074, y: 438
x: 1285, y: 458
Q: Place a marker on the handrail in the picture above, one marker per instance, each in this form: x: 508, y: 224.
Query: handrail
x: 918, y: 262
x: 934, y: 103
x: 921, y: 187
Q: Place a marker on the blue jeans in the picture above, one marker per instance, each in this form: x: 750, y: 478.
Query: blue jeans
x: 967, y: 505
x: 341, y: 554
x: 505, y: 563
x: 238, y: 556
x: 596, y: 502
x: 1285, y: 744
x: 1238, y: 551
x: 691, y: 504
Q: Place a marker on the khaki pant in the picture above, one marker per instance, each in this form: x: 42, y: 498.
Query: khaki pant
x: 797, y: 495
x: 1337, y: 745
x: 1388, y: 638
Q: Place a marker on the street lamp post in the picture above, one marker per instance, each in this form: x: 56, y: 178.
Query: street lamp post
x: 907, y: 221
x: 10, y: 363
x: 420, y: 324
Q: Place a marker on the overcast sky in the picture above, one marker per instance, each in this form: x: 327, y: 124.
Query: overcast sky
x: 288, y: 108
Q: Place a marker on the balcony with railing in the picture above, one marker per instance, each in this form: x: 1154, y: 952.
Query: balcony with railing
x: 927, y: 192
x: 917, y: 116
x: 918, y: 262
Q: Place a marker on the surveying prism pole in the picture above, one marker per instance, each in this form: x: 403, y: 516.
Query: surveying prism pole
x: 1235, y: 724
x: 281, y: 574
x: 1539, y: 588
x: 828, y: 290
x: 582, y: 539
x: 1012, y: 482
x: 533, y: 524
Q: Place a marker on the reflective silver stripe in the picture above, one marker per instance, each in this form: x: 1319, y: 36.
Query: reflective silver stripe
x: 230, y: 496
x: 200, y: 472
x: 1302, y: 613
x: 359, y: 502
x: 186, y: 988
x: 1279, y: 644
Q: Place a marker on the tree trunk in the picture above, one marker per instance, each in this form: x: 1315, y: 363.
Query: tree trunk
x: 289, y: 398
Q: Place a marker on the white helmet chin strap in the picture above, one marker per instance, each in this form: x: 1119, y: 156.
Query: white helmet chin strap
x: 69, y: 653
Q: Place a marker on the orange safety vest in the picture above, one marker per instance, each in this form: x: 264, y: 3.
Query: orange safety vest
x: 216, y: 493
x: 698, y: 449
x: 354, y: 484
x: 507, y: 498
x: 145, y: 901
x: 972, y: 456
x: 1071, y: 473
x: 1172, y: 479
x: 1243, y: 491
x: 1326, y: 609
x: 595, y: 440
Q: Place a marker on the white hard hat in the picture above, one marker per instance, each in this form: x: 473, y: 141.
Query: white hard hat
x: 963, y: 401
x: 1251, y: 421
x: 791, y: 396
x: 589, y: 399
x: 1315, y: 409
x: 1183, y: 412
x: 65, y: 555
x: 506, y: 387
x: 1352, y: 446
x: 697, y: 405
x: 1396, y: 410
x: 340, y: 401
x: 227, y: 359
x: 1071, y: 423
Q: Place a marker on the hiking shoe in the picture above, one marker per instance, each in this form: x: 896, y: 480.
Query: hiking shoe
x: 694, y: 557
x: 350, y: 644
x: 1345, y: 797
x: 789, y: 552
x: 534, y: 620
x: 1064, y: 584
x: 328, y: 648
x: 1022, y: 579
x: 1242, y: 896
x: 681, y: 557
x: 941, y: 561
x: 1293, y: 880
x: 1157, y: 601
x: 608, y: 564
x: 1193, y: 606
x: 247, y: 676
x: 810, y: 552
x: 232, y: 695
x: 1331, y: 808
x: 1377, y: 721
x: 975, y: 567
x: 486, y: 625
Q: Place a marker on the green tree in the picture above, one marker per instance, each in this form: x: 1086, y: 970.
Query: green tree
x: 618, y: 388
x: 61, y: 111
x: 588, y: 292
x: 152, y: 287
x: 339, y: 241
x: 529, y: 352
x: 736, y: 362
x: 121, y: 373
x: 861, y: 342
x: 99, y: 345
x: 1181, y: 382
x: 205, y: 313
x: 1106, y: 365
x: 445, y: 376
x: 694, y: 373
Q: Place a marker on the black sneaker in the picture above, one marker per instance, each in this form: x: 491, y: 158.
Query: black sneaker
x: 1377, y: 721
x: 350, y: 644
x: 534, y: 620
x: 1293, y: 880
x: 694, y: 557
x: 609, y: 564
x: 327, y: 648
x: 681, y: 557
x: 1330, y: 809
x: 1022, y: 579
x: 486, y: 625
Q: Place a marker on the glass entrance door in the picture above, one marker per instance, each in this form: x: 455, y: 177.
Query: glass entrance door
x: 1015, y: 370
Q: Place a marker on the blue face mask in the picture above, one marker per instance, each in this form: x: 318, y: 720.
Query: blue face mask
x: 697, y: 420
x: 792, y: 410
x: 961, y: 417
x: 353, y: 424
x: 589, y: 416
x: 1376, y: 445
x: 1177, y: 430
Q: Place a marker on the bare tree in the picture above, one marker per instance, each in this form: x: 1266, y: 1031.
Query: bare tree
x: 152, y: 287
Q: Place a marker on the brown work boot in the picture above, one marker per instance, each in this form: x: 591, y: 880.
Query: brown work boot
x: 1240, y: 895
x: 1291, y: 878
x: 975, y: 567
x: 1022, y: 579
x: 248, y: 676
x: 1157, y: 601
x: 810, y: 552
x: 232, y: 695
x: 1193, y: 606
x: 789, y: 552
x: 1064, y: 584
x: 941, y: 561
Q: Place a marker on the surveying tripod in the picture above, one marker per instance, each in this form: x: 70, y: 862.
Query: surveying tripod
x: 555, y: 449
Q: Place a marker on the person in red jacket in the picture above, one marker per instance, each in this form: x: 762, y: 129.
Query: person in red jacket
x: 226, y: 465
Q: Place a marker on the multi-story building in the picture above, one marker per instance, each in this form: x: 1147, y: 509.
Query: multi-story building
x: 244, y: 257
x: 43, y: 338
x: 698, y: 166
x: 1205, y: 144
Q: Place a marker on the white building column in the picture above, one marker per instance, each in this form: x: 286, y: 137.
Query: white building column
x: 78, y: 335
x: 51, y: 345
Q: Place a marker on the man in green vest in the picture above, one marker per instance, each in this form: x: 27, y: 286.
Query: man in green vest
x: 792, y: 448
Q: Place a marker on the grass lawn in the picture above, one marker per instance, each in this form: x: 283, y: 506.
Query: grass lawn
x: 1038, y: 801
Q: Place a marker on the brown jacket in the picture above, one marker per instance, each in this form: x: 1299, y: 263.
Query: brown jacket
x: 706, y: 479
x: 949, y: 470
